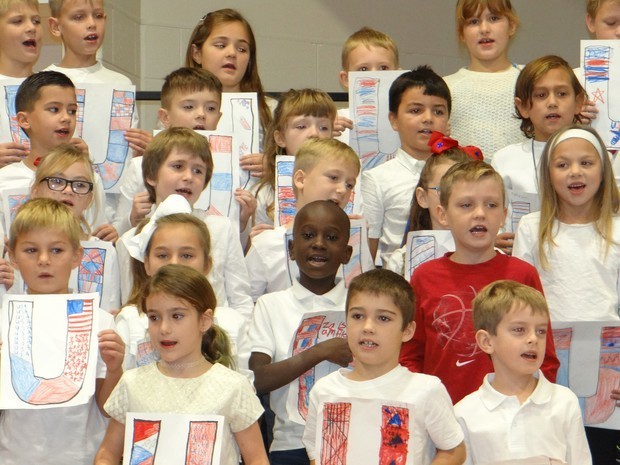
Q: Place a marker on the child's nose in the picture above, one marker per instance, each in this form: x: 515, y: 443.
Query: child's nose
x: 43, y: 257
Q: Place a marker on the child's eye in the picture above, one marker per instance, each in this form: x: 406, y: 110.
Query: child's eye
x: 56, y: 250
x: 53, y: 109
x: 198, y: 171
x: 415, y: 111
x: 219, y: 45
x: 78, y: 17
x: 586, y: 163
x: 100, y: 15
x: 36, y: 20
x: 72, y: 111
x: 542, y: 332
x: 561, y: 165
x: 495, y: 18
x: 473, y: 21
x: 152, y: 317
x: 176, y: 166
x: 177, y: 316
x: 212, y: 109
x: 350, y: 186
x: 465, y: 205
x: 439, y: 112
x: 161, y: 256
x: 242, y: 49
x: 188, y: 107
x: 356, y: 316
x: 307, y: 235
x: 187, y: 256
x: 324, y: 129
x: 517, y: 330
x: 30, y: 250
x: 301, y: 127
x: 384, y: 68
x: 363, y: 68
x: 384, y: 318
x: 492, y: 205
x: 332, y: 237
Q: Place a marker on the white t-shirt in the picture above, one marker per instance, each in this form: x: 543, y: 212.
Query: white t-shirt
x: 581, y: 283
x: 518, y: 165
x: 219, y: 391
x: 277, y: 317
x: 498, y: 427
x: 388, y: 190
x: 55, y: 436
x: 432, y: 421
x: 483, y: 111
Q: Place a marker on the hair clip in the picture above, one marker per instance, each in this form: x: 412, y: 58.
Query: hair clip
x: 439, y: 143
x: 136, y: 245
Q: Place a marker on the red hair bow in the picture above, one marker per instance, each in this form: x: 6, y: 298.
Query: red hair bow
x: 440, y: 143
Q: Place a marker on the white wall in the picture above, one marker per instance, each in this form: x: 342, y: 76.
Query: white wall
x: 299, y: 41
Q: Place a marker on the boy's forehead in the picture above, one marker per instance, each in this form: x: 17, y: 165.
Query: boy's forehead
x: 463, y: 187
x: 55, y: 93
x: 521, y: 310
x: 19, y: 7
x: 71, y: 4
x: 337, y: 162
x: 368, y: 52
x: 415, y: 94
x: 205, y: 94
x: 321, y: 214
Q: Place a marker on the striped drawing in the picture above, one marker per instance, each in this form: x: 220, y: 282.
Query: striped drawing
x: 335, y: 433
x: 144, y: 443
x: 201, y: 442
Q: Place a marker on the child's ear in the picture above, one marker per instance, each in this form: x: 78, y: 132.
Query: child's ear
x: 441, y: 215
x: 484, y: 341
x: 347, y: 255
x: 291, y: 249
x: 206, y: 321
x: 393, y: 120
x: 279, y: 138
x: 77, y: 257
x: 524, y: 110
x: 54, y: 26
x: 343, y: 77
x: 408, y: 332
x: 299, y: 177
x: 162, y: 115
x: 420, y: 196
x: 23, y: 120
x: 208, y: 265
x: 197, y: 54
x: 590, y: 24
x: 512, y: 28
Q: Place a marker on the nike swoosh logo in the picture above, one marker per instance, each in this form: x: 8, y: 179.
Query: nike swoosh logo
x: 460, y: 364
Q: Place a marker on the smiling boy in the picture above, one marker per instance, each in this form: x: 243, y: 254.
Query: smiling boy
x: 320, y: 247
x: 379, y: 307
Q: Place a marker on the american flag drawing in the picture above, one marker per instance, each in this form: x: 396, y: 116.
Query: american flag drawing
x: 80, y: 314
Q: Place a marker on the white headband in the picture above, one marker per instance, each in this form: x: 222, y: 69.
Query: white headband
x: 578, y: 133
x: 136, y: 245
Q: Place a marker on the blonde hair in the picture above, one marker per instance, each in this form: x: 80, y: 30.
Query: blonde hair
x: 469, y: 171
x: 314, y: 151
x: 138, y: 270
x: 38, y: 214
x: 466, y: 9
x: 592, y: 6
x: 182, y: 139
x: 310, y: 102
x: 606, y: 199
x: 368, y: 37
x: 58, y: 160
x: 5, y: 5
x: 189, y: 285
x: 251, y: 80
x: 499, y: 298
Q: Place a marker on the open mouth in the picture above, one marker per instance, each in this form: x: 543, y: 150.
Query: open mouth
x: 68, y: 203
x: 553, y: 116
x: 62, y: 132
x: 199, y: 127
x: 576, y: 187
x: 479, y: 229
x: 425, y: 131
x: 529, y: 356
x: 30, y: 43
x: 167, y: 344
x: 486, y: 41
x: 185, y: 192
x: 91, y: 38
x: 368, y: 344
x: 318, y: 259
x: 229, y: 66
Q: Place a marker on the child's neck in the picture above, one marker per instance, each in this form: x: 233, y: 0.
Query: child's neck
x: 35, y: 153
x: 72, y: 60
x: 16, y: 70
x: 509, y: 384
x: 184, y: 370
x: 416, y: 154
x: 466, y: 257
x: 318, y: 286
x: 576, y: 215
x: 364, y: 372
x: 494, y: 66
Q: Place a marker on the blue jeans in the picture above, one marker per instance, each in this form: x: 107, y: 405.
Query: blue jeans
x: 289, y: 457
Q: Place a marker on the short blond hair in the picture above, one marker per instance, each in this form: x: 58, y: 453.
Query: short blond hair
x: 5, y: 5
x: 468, y: 171
x: 368, y: 37
x: 37, y: 214
x: 592, y: 6
x: 56, y: 6
x: 499, y: 298
x: 313, y: 151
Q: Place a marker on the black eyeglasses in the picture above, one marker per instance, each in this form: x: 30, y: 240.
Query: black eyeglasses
x: 436, y: 189
x: 59, y: 184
